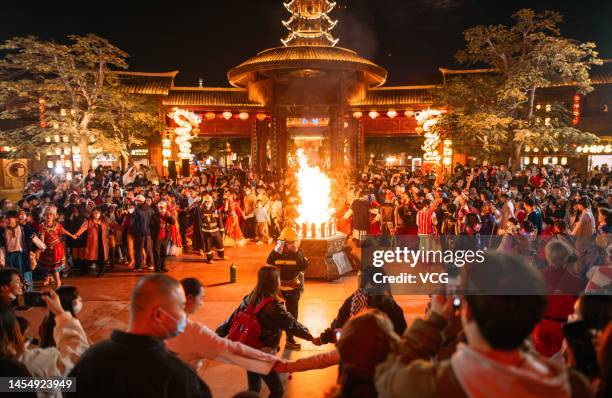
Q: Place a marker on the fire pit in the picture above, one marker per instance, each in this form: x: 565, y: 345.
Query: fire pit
x: 321, y: 243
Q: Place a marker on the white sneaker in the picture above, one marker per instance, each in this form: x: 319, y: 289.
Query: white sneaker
x: 150, y: 268
x: 259, y: 242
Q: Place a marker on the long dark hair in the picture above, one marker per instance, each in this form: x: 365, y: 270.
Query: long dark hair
x: 11, y: 339
x: 605, y: 363
x: 67, y: 295
x: 268, y: 284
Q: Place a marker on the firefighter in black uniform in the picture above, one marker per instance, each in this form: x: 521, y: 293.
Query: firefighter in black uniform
x: 291, y: 262
x: 209, y: 229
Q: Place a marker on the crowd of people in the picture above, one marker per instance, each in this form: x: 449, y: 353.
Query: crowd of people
x: 550, y: 226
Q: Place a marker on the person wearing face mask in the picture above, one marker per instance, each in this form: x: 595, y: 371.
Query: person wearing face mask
x: 198, y: 342
x: 96, y: 249
x: 46, y: 362
x: 141, y: 231
x: 161, y: 222
x: 136, y: 362
x: 71, y: 302
x: 208, y: 229
x: 291, y: 262
x: 11, y: 286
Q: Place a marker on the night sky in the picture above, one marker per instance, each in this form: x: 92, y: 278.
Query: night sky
x: 411, y: 38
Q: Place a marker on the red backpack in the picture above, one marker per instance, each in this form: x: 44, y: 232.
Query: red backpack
x: 245, y: 327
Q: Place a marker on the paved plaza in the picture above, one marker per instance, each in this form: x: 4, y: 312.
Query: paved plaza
x: 107, y: 304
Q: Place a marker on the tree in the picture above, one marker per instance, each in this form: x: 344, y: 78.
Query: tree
x: 130, y: 121
x: 73, y: 81
x: 495, y: 111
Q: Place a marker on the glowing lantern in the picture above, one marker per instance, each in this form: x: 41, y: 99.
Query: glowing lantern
x: 391, y: 114
x: 261, y: 117
x: 243, y: 116
x: 357, y: 115
x: 373, y: 115
x: 210, y: 115
x: 50, y: 164
x: 409, y: 113
x: 227, y: 115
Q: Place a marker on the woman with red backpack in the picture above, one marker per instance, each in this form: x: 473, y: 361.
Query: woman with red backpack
x: 259, y: 322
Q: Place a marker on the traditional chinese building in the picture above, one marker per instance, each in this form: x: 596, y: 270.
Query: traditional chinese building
x: 307, y: 93
x: 313, y: 94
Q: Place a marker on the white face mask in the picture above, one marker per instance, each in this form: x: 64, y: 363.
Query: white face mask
x: 77, y: 307
x: 179, y: 324
x: 131, y: 210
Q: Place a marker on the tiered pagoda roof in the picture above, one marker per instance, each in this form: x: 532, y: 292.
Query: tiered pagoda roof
x: 300, y: 57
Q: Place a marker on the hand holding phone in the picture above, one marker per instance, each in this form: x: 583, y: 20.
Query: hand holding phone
x: 34, y: 299
x: 53, y: 302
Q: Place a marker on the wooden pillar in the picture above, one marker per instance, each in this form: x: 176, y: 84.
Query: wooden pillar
x: 155, y: 154
x: 254, y: 148
x: 278, y: 138
x: 282, y: 142
x: 334, y: 136
x: 360, y: 144
x: 258, y: 146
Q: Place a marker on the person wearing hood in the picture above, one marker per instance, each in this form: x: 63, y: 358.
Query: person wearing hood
x: 496, y: 322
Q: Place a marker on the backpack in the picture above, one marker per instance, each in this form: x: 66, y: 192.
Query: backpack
x: 245, y: 327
